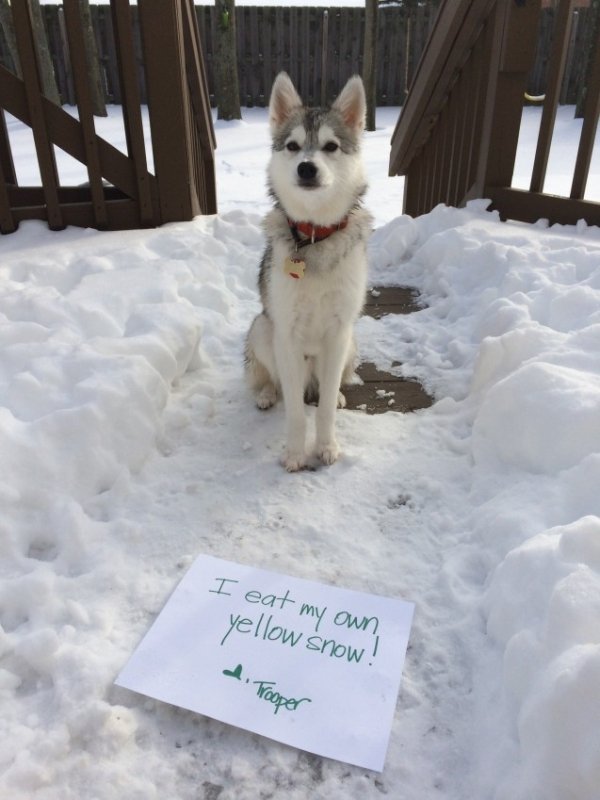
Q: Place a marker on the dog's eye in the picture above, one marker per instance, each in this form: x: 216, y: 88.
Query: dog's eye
x: 330, y: 147
x: 293, y: 147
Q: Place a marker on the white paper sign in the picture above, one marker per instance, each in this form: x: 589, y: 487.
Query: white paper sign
x: 310, y: 665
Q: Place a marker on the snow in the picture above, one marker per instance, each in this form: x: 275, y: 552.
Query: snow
x: 130, y: 445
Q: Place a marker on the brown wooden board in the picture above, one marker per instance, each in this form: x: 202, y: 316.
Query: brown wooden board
x: 382, y: 300
x: 381, y: 391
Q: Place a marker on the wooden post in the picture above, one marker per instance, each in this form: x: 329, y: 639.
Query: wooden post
x: 590, y: 45
x: 370, y: 61
x: 171, y: 119
x: 6, y: 159
x: 202, y: 128
x: 324, y: 50
x: 512, y: 50
x: 226, y: 72
x: 558, y: 57
x: 7, y: 176
x: 591, y: 112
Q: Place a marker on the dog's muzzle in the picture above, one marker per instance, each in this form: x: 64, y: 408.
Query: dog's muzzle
x: 307, y: 173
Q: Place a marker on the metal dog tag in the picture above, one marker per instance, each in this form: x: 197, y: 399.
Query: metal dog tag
x: 294, y: 267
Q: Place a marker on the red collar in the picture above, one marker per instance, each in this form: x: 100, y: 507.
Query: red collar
x: 316, y: 233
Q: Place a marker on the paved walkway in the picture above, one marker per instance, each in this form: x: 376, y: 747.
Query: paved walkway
x: 384, y: 391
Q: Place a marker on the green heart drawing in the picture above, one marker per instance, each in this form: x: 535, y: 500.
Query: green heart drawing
x: 236, y: 673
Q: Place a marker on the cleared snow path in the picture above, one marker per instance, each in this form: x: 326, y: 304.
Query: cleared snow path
x: 216, y: 487
x: 109, y: 524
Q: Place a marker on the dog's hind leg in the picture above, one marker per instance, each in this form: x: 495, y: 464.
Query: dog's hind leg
x: 349, y: 372
x: 261, y: 371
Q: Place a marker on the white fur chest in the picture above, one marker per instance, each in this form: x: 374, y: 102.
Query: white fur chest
x: 327, y: 298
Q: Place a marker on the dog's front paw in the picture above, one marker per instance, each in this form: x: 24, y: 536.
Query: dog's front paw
x: 329, y: 452
x: 293, y: 461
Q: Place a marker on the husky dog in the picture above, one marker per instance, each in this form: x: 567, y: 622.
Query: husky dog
x: 313, y: 273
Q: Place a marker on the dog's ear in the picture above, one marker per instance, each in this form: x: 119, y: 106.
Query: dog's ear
x: 284, y: 99
x: 352, y: 104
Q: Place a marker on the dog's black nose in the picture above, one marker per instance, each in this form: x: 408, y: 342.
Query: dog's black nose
x: 307, y: 170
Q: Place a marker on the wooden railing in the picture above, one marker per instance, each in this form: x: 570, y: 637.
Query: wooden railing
x: 121, y: 192
x: 457, y: 136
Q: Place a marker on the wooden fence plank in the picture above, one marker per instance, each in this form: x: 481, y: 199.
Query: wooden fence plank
x: 85, y: 105
x: 7, y: 176
x: 208, y: 37
x: 197, y: 80
x: 267, y: 62
x: 33, y: 91
x: 53, y: 23
x: 132, y: 115
x: 392, y: 48
x: 66, y: 83
x: 241, y: 38
x: 306, y: 90
x: 354, y: 62
x: 280, y: 62
x: 345, y: 44
x: 558, y: 58
x: 201, y: 131
x: 292, y: 46
x: 6, y: 159
x: 255, y: 55
x: 107, y: 51
x: 476, y: 85
x: 570, y: 64
x: 588, y: 131
x: 7, y: 220
x: 324, y: 57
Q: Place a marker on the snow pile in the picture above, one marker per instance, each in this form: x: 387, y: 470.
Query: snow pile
x: 95, y: 331
x: 130, y: 445
x: 544, y: 606
x: 523, y: 354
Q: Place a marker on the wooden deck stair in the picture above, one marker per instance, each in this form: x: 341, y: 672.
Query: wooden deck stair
x: 384, y: 391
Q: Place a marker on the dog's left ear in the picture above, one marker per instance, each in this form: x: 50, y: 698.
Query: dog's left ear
x: 352, y: 104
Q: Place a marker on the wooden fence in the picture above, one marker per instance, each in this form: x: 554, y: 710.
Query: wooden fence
x: 457, y: 136
x: 121, y: 192
x: 575, y: 64
x: 320, y: 48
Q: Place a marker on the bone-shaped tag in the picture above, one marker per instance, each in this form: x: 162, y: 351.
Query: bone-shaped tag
x: 294, y: 267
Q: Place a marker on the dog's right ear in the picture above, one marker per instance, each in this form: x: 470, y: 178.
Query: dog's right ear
x: 284, y: 100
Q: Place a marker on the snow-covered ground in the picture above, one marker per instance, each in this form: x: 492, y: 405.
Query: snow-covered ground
x: 129, y: 445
